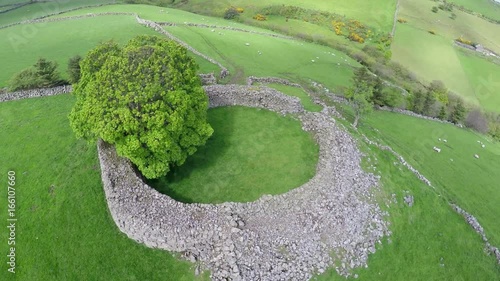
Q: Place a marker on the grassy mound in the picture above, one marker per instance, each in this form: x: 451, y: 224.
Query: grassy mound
x: 64, y: 229
x: 252, y: 152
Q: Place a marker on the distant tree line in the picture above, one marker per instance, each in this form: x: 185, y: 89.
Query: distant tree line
x: 435, y: 100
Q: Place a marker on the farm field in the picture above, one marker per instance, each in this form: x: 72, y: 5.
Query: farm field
x: 61, y: 40
x: 475, y: 190
x: 380, y: 11
x: 428, y: 240
x: 293, y: 60
x: 249, y: 146
x: 65, y: 228
x: 65, y: 231
x: 468, y: 75
x: 37, y: 10
x: 485, y: 7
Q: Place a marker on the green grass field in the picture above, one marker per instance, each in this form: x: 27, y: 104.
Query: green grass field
x: 37, y: 10
x: 64, y: 229
x: 59, y: 41
x: 300, y: 93
x: 380, y: 11
x: 283, y: 58
x: 485, y: 7
x: 291, y: 59
x: 251, y: 153
x: 429, y: 241
x: 466, y: 74
x: 472, y: 183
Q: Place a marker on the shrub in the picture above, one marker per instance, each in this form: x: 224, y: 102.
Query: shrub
x: 24, y: 80
x: 453, y: 16
x: 435, y: 9
x: 477, y: 121
x: 259, y: 17
x: 43, y: 74
x: 146, y: 99
x: 231, y: 13
x: 240, y: 10
x: 356, y: 38
x: 74, y: 69
x: 466, y: 41
x: 402, y: 20
x: 432, y: 32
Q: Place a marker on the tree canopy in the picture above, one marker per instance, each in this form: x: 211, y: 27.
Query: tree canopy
x: 146, y: 99
x: 360, y: 94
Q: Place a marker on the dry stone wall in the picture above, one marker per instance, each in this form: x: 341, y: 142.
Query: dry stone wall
x: 36, y: 93
x: 283, y: 237
x: 224, y: 72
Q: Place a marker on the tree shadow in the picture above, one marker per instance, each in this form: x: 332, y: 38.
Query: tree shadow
x: 222, y: 121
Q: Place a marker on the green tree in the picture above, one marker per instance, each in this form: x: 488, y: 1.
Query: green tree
x: 360, y: 94
x: 458, y: 113
x: 440, y: 91
x: 442, y: 113
x: 47, y: 73
x: 42, y: 74
x: 74, y: 69
x: 417, y: 102
x: 428, y: 103
x: 144, y: 98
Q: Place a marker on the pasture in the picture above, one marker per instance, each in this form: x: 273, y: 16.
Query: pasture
x: 251, y: 153
x: 377, y: 13
x: 64, y: 229
x: 457, y: 175
x: 37, y: 10
x: 485, y: 7
x: 464, y: 73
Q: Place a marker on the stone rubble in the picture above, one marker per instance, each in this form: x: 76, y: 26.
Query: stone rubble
x: 333, y: 220
x: 472, y: 221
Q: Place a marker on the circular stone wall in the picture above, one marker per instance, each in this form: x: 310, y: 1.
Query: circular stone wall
x: 332, y: 220
x: 251, y: 153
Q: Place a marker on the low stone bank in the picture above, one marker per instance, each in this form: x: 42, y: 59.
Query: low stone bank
x: 283, y: 237
x: 35, y: 93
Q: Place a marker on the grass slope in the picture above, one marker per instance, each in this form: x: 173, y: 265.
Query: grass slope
x: 473, y: 77
x: 429, y: 241
x: 486, y: 7
x: 251, y: 153
x: 305, y: 99
x: 472, y: 183
x: 37, y: 10
x: 378, y: 13
x: 61, y: 40
x: 64, y: 230
x: 280, y: 57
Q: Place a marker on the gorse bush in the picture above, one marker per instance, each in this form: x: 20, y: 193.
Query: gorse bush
x: 259, y: 17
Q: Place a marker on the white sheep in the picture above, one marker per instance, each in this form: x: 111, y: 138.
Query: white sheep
x: 445, y: 140
x: 312, y: 60
x: 477, y: 156
x: 437, y: 149
x: 247, y: 44
x: 483, y: 146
